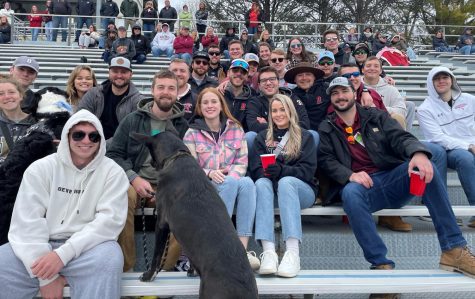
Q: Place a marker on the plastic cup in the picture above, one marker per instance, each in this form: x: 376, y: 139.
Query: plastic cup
x: 267, y: 160
x: 417, y: 184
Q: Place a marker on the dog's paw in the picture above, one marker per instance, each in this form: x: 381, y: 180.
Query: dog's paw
x: 148, y: 276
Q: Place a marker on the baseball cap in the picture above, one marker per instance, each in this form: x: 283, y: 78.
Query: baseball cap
x: 338, y: 81
x: 251, y: 57
x: 165, y: 24
x: 122, y: 28
x: 120, y: 62
x: 28, y: 62
x: 201, y: 54
x: 326, y: 54
x: 239, y: 63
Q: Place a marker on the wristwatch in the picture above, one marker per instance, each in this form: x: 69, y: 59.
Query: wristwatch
x: 365, y: 89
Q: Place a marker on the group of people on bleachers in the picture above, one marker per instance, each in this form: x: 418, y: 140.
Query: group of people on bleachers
x: 320, y: 115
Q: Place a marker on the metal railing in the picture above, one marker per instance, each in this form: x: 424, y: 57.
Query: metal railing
x: 419, y: 35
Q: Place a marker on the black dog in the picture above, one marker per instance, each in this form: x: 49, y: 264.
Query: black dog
x: 189, y: 206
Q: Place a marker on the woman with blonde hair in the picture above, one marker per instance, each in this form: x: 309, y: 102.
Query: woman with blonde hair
x: 290, y: 178
x: 216, y: 139
x: 265, y: 38
x: 80, y: 81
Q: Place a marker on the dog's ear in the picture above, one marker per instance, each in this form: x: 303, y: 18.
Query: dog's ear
x: 141, y: 138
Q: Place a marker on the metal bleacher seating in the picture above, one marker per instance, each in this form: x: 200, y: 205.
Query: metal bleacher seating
x: 333, y: 263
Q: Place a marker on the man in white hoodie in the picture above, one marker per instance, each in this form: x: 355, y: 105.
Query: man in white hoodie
x: 446, y: 118
x: 69, y: 211
x: 163, y: 42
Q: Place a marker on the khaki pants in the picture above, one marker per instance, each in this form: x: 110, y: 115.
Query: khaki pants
x: 400, y: 119
x: 127, y: 237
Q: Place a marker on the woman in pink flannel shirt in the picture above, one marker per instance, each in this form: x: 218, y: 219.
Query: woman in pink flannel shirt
x: 216, y: 139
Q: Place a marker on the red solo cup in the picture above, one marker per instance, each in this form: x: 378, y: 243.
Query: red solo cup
x: 417, y: 184
x: 267, y: 160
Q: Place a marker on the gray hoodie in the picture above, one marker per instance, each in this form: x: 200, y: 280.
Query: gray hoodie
x: 392, y: 99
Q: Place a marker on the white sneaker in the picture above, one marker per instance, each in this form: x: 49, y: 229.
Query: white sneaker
x: 269, y: 262
x: 253, y: 260
x: 290, y: 265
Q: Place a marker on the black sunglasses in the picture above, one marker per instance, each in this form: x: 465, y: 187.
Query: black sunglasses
x: 95, y: 137
x: 203, y: 62
x: 274, y: 60
x: 214, y: 53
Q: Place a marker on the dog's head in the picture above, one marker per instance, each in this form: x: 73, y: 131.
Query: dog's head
x: 162, y: 146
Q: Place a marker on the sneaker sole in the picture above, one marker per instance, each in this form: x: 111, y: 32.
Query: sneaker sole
x: 267, y: 272
x: 287, y: 275
x: 453, y: 269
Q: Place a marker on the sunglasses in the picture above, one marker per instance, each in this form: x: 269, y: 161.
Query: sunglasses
x: 295, y: 46
x: 350, y: 138
x: 94, y: 137
x: 348, y: 76
x: 322, y: 63
x: 214, y: 53
x: 238, y: 70
x: 331, y: 39
x: 360, y: 52
x: 243, y: 33
x: 203, y: 62
x: 280, y: 59
x: 239, y: 63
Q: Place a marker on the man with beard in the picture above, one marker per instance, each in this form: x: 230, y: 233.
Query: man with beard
x: 199, y: 78
x: 370, y: 158
x: 115, y: 98
x: 25, y: 70
x: 157, y: 114
x: 216, y: 69
x: 185, y: 97
x: 237, y: 93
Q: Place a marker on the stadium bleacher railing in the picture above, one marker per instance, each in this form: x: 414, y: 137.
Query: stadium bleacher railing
x: 418, y: 35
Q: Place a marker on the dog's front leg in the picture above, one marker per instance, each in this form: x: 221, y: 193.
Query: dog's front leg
x: 162, y: 235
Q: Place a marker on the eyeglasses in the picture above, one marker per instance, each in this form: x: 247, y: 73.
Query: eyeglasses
x: 360, y: 52
x: 214, y: 53
x: 328, y: 62
x: 295, y: 46
x: 94, y: 137
x: 331, y: 39
x: 348, y: 76
x: 271, y: 79
x: 198, y: 62
x: 280, y: 59
x: 350, y: 138
x: 239, y: 63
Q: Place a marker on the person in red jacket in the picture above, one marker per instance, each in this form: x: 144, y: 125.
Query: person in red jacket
x: 35, y: 22
x: 183, y: 45
x: 209, y: 38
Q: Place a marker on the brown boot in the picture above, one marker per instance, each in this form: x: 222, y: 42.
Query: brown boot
x: 458, y: 259
x: 384, y: 296
x: 394, y: 223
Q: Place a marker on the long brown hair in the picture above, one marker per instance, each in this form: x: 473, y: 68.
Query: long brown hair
x: 225, y: 112
x: 304, y: 55
x: 71, y: 90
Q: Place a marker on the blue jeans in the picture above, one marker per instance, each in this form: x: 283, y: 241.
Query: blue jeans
x: 185, y: 56
x: 102, y: 42
x: 439, y: 158
x: 251, y: 30
x: 467, y: 49
x: 63, y: 23
x: 156, y: 51
x: 292, y: 196
x: 49, y: 31
x: 34, y: 34
x: 226, y: 54
x: 81, y: 21
x: 391, y: 190
x: 148, y: 27
x: 140, y: 58
x: 463, y: 161
x: 444, y: 49
x: 244, y: 192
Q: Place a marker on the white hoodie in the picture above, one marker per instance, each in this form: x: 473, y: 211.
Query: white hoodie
x: 163, y: 40
x: 56, y: 200
x: 392, y: 99
x: 452, y: 128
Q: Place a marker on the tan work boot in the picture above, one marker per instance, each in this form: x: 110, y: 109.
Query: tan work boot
x: 394, y: 223
x: 384, y: 296
x: 458, y: 259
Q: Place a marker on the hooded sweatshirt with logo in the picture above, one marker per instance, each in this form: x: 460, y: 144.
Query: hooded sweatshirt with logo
x: 451, y: 127
x: 86, y: 206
